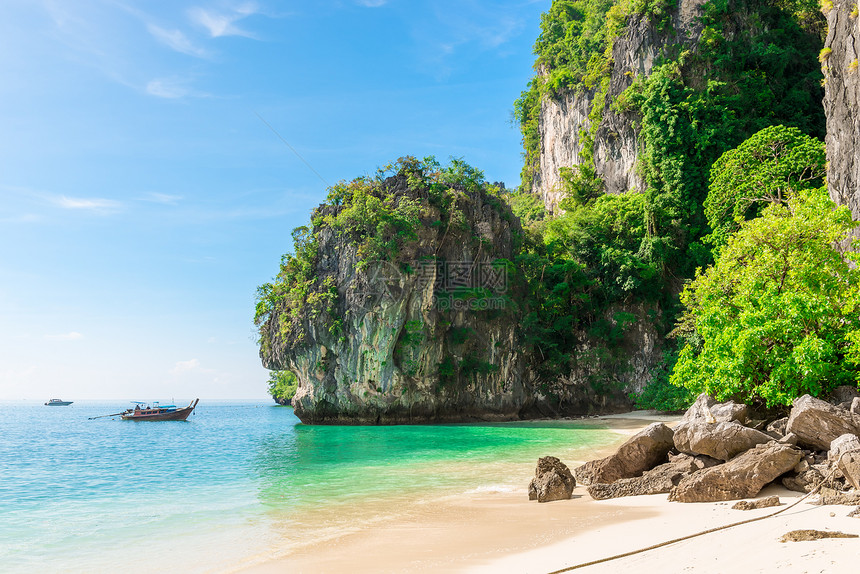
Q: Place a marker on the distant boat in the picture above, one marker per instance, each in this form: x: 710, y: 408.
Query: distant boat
x: 156, y: 412
x: 58, y: 403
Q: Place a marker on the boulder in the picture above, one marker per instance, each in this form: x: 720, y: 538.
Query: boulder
x: 816, y: 423
x: 790, y: 438
x: 855, y: 406
x: 755, y: 504
x: 643, y: 451
x: 709, y: 410
x: 742, y: 477
x: 849, y: 464
x: 776, y: 429
x: 844, y: 394
x: 719, y: 440
x: 804, y: 481
x: 830, y: 497
x: 552, y: 481
x: 658, y: 480
x: 841, y: 444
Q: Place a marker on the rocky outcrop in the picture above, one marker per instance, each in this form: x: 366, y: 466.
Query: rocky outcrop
x: 659, y: 480
x: 752, y: 458
x: 643, y: 451
x: 405, y: 340
x: 845, y: 452
x: 718, y: 440
x: 804, y: 481
x: 552, y: 481
x: 849, y: 466
x: 742, y: 477
x: 564, y: 119
x: 817, y: 423
x: 831, y: 497
x: 842, y: 103
x: 707, y: 409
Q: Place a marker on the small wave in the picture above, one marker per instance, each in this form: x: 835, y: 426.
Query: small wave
x: 488, y: 488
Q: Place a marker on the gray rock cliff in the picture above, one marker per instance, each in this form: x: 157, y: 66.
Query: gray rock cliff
x: 412, y: 343
x: 842, y: 103
x: 564, y: 118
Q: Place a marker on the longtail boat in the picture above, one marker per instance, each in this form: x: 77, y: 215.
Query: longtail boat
x: 156, y: 412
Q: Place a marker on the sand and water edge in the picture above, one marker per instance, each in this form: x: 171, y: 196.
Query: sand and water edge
x: 500, y: 530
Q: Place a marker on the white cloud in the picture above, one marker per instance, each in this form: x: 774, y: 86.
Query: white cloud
x: 95, y: 204
x: 223, y: 23
x: 164, y: 198
x: 372, y: 3
x: 185, y: 366
x: 190, y: 366
x: 72, y: 336
x: 165, y: 88
x: 176, y: 40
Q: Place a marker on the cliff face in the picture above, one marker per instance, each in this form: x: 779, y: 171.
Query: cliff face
x: 429, y: 335
x: 565, y: 119
x: 436, y: 330
x: 842, y: 103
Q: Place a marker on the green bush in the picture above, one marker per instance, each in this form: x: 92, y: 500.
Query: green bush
x: 283, y: 385
x: 777, y: 313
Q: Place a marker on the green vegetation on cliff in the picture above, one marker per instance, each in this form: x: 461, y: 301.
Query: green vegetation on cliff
x: 282, y: 386
x: 731, y: 232
x: 753, y: 65
x: 378, y: 218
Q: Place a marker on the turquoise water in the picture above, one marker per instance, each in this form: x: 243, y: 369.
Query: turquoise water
x: 238, y: 483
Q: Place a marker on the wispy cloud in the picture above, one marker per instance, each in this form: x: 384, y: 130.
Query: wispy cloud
x: 72, y: 336
x: 176, y: 40
x: 185, y: 366
x: 167, y: 88
x: 190, y: 366
x: 372, y: 3
x: 223, y: 23
x: 93, y: 204
x: 163, y: 198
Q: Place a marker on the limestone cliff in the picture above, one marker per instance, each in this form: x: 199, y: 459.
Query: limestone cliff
x: 428, y: 333
x: 842, y: 103
x: 564, y: 119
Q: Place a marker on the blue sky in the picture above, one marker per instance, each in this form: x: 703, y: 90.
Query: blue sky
x: 143, y: 198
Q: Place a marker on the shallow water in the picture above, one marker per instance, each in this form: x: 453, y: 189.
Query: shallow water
x: 236, y: 483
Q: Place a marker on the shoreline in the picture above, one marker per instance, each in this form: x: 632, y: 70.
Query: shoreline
x: 490, y: 531
x: 455, y: 532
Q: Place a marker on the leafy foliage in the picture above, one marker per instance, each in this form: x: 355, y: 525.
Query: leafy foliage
x: 777, y: 312
x: 379, y: 217
x: 282, y: 385
x: 771, y: 166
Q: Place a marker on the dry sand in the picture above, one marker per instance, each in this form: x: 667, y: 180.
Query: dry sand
x: 492, y: 532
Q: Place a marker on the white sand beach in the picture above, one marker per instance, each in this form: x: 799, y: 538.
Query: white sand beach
x: 492, y: 532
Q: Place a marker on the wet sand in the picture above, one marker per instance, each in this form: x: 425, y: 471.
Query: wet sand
x: 467, y: 530
x: 495, y: 531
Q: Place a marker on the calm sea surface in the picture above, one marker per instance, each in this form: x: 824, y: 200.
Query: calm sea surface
x: 237, y: 483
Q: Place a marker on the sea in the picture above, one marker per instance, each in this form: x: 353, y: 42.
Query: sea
x: 239, y: 483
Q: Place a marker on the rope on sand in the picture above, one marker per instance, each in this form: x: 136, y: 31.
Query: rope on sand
x: 712, y: 530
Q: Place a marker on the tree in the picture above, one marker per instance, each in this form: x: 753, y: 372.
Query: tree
x: 776, y: 316
x: 769, y: 167
x: 283, y: 386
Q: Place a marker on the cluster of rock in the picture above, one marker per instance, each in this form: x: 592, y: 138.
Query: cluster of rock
x: 717, y: 453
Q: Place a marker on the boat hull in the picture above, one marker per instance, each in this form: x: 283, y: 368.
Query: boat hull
x: 177, y: 415
x: 59, y: 403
